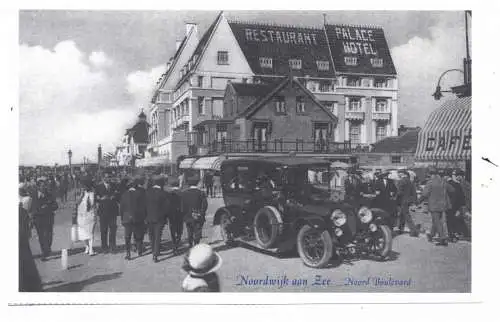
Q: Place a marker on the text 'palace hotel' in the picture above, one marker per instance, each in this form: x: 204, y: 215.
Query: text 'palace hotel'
x: 240, y: 81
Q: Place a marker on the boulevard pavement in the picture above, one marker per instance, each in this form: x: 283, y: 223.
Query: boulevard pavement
x: 427, y: 267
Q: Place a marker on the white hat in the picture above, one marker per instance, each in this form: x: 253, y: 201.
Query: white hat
x: 203, y: 260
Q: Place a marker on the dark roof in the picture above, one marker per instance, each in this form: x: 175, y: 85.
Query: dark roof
x: 261, y: 40
x: 398, y: 144
x: 255, y: 90
x: 363, y: 42
x: 285, y: 160
x: 139, y: 132
x: 260, y: 101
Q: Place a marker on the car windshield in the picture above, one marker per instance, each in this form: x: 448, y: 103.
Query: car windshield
x: 309, y: 180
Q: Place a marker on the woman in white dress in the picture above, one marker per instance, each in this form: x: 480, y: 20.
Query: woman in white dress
x: 86, y: 218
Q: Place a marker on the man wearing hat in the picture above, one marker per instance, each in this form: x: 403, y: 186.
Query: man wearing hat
x: 194, y: 207
x: 156, y: 209
x: 107, y: 196
x: 407, y: 196
x: 133, y: 214
x: 44, y: 205
x: 175, y: 214
x: 386, y: 192
x: 201, y: 263
x: 436, y: 193
x: 454, y: 216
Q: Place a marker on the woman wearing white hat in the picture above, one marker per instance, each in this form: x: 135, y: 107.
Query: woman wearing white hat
x: 201, y: 263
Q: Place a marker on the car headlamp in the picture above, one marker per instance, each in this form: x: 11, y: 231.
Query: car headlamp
x: 338, y: 218
x: 365, y: 215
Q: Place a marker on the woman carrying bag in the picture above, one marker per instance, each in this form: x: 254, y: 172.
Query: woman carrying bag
x: 84, y: 219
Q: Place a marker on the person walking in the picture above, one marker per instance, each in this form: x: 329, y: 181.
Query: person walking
x: 133, y: 214
x: 44, y: 206
x: 156, y: 214
x: 194, y: 207
x: 85, y: 214
x: 175, y: 216
x: 407, y: 197
x: 29, y: 278
x: 455, y: 215
x: 201, y: 263
x: 64, y: 186
x: 436, y: 193
x: 107, y: 199
x: 208, y: 181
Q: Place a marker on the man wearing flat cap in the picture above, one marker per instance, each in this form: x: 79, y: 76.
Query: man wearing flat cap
x: 194, y: 207
x: 156, y: 208
x: 133, y: 214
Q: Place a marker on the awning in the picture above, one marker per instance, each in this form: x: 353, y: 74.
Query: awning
x: 153, y: 161
x: 187, y: 163
x: 447, y: 133
x: 206, y: 163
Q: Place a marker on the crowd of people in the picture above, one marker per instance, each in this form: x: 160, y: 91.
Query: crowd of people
x: 145, y: 204
x: 446, y: 192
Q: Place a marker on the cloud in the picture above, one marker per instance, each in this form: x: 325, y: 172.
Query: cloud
x: 99, y: 59
x: 69, y: 101
x: 140, y: 84
x: 420, y: 62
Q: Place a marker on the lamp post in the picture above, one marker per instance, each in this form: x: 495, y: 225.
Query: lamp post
x: 70, y: 155
x: 438, y: 93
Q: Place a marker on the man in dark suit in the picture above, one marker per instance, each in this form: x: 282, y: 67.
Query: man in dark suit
x: 194, y: 207
x: 175, y: 215
x: 107, y: 197
x: 408, y: 197
x: 386, y: 192
x: 133, y: 214
x: 44, y: 205
x: 156, y: 208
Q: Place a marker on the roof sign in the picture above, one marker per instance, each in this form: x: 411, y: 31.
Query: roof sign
x: 281, y: 37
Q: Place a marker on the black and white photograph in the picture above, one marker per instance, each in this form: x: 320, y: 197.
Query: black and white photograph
x: 245, y: 151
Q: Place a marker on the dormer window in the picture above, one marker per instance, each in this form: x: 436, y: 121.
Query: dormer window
x: 323, y: 65
x: 377, y: 62
x: 222, y: 58
x: 280, y: 105
x: 266, y: 62
x: 351, y: 61
x: 295, y: 63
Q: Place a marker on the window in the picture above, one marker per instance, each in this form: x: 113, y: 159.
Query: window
x: 295, y: 63
x: 355, y: 132
x: 201, y: 105
x: 260, y: 136
x: 324, y: 86
x: 222, y: 58
x: 280, y: 105
x: 381, y: 105
x: 381, y: 83
x: 266, y: 62
x: 351, y: 61
x: 381, y: 132
x: 200, y: 81
x: 396, y: 159
x: 320, y: 135
x: 377, y: 62
x: 301, y: 105
x: 353, y: 81
x: 164, y: 97
x: 331, y: 106
x: 354, y: 104
x: 323, y: 65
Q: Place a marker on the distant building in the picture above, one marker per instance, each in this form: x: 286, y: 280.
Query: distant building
x: 134, y: 142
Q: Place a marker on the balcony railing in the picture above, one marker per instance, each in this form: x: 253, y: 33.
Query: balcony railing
x: 277, y: 146
x: 381, y: 115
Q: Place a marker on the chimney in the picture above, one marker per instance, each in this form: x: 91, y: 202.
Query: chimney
x: 190, y: 25
x: 177, y: 44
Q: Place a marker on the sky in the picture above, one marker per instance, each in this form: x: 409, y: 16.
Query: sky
x: 84, y: 76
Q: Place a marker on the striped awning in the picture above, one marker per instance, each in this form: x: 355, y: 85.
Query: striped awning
x: 208, y: 163
x: 187, y: 163
x: 447, y: 133
x: 153, y: 161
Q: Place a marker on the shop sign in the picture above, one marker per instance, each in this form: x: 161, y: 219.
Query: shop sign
x: 443, y: 142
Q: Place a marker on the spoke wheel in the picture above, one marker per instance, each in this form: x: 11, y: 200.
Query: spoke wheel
x: 315, y: 246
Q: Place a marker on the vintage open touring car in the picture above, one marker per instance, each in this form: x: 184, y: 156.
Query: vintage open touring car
x: 279, y: 203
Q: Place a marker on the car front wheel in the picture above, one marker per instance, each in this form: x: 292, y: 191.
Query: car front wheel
x: 315, y: 246
x: 382, y: 242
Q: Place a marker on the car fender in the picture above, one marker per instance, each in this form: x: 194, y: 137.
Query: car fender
x: 317, y: 222
x: 380, y: 216
x: 233, y: 210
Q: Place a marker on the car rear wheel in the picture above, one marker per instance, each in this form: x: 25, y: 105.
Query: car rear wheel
x: 267, y: 226
x: 315, y: 246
